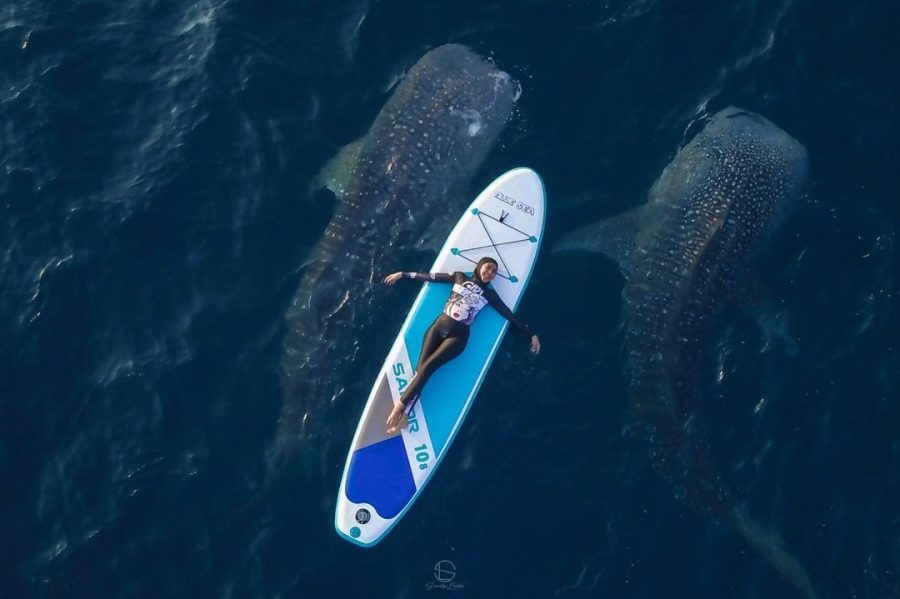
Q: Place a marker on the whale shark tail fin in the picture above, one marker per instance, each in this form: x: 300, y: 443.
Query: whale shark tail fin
x: 769, y: 545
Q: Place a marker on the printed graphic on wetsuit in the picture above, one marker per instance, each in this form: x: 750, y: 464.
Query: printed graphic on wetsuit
x: 466, y: 300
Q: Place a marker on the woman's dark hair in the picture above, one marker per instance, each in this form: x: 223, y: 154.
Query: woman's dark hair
x: 482, y: 262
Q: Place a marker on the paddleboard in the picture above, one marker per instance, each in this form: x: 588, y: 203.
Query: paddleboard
x: 385, y: 473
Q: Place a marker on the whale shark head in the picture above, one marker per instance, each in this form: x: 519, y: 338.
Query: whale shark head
x: 735, y: 181
x: 769, y: 162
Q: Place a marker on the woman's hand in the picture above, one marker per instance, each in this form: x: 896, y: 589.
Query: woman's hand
x: 535, y: 345
x: 392, y: 278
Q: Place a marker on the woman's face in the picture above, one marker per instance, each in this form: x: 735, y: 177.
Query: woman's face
x: 488, y: 272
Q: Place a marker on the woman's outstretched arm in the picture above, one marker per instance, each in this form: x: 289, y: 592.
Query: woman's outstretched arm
x: 438, y: 277
x: 498, y: 305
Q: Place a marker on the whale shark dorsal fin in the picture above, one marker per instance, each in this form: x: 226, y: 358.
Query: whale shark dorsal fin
x: 614, y: 237
x: 336, y: 171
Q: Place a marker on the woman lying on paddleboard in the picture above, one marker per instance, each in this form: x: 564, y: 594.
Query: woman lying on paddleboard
x: 448, y: 334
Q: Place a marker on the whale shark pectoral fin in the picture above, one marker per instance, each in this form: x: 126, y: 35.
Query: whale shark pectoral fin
x: 614, y: 237
x: 318, y: 210
x: 336, y: 171
x: 438, y: 229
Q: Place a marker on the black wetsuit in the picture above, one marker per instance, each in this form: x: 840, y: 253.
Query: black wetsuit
x: 446, y: 338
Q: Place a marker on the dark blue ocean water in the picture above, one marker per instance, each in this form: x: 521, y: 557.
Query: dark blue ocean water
x: 157, y: 159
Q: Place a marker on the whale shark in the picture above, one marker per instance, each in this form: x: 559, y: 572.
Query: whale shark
x: 411, y: 169
x: 683, y: 254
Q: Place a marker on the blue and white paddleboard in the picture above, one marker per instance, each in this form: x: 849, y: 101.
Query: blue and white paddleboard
x: 384, y: 474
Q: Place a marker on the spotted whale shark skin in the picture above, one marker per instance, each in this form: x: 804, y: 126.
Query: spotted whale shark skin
x: 683, y: 254
x: 413, y: 167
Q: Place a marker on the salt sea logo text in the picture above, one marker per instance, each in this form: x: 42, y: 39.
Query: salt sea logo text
x: 444, y: 573
x: 511, y: 201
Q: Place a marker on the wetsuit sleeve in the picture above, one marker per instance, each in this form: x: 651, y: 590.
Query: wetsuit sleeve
x: 498, y: 305
x: 438, y: 277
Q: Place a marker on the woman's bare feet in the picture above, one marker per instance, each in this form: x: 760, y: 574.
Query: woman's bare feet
x: 397, y: 420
